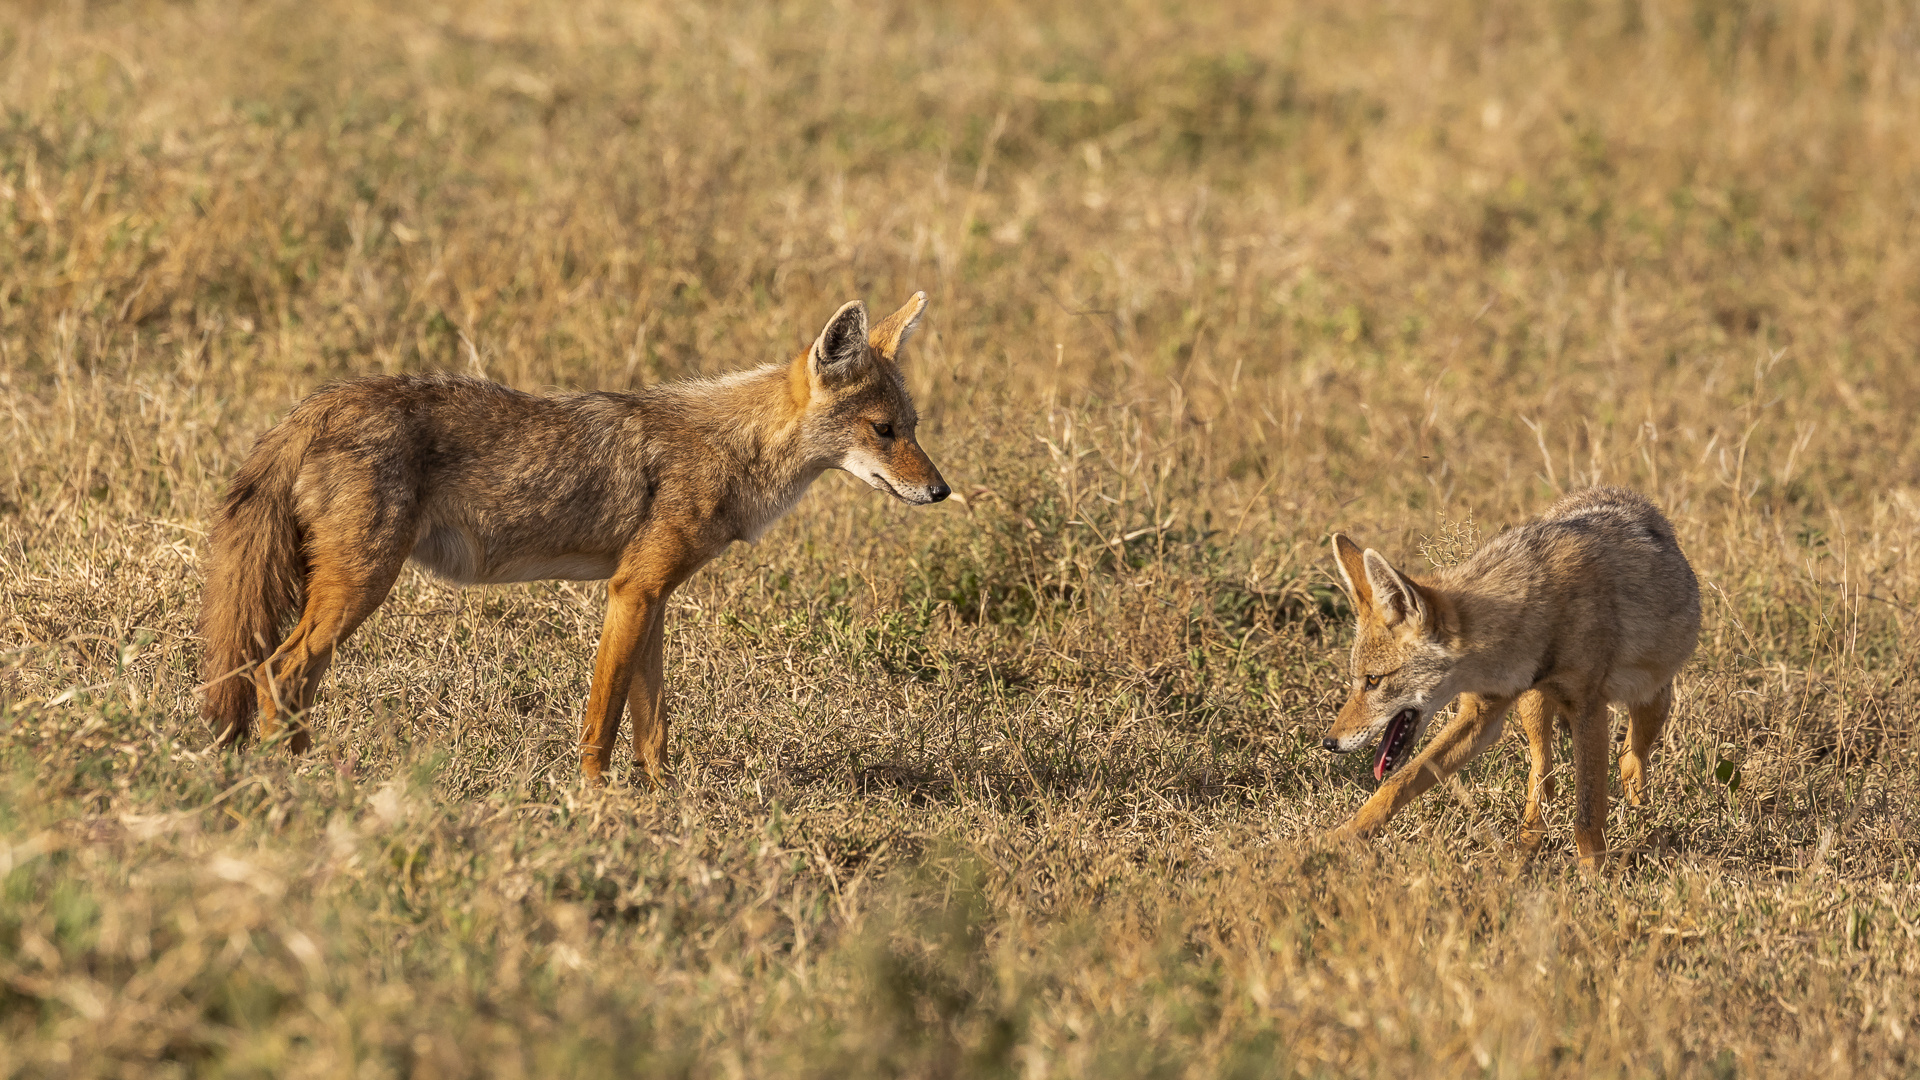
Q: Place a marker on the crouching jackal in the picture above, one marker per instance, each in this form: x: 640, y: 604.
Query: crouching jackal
x: 1591, y: 603
x: 483, y: 484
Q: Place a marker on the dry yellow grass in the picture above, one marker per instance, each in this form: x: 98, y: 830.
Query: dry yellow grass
x: 1030, y: 785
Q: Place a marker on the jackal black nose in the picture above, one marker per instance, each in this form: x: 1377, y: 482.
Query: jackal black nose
x: 940, y: 491
x: 1330, y: 743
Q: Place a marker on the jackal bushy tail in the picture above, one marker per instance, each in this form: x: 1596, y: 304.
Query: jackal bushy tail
x: 255, y: 573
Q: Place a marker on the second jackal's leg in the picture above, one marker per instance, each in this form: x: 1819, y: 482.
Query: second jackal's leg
x: 1536, y: 718
x: 1590, y: 729
x: 1644, y: 723
x: 1476, y: 728
x: 342, y: 590
x: 646, y: 699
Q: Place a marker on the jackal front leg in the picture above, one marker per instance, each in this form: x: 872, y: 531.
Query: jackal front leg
x: 1536, y: 715
x: 646, y: 699
x: 1479, y: 724
x: 629, y: 612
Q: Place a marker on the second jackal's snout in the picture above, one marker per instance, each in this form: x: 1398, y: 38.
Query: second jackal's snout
x: 1399, y: 668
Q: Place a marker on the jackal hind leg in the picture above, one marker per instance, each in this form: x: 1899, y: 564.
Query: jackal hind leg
x: 1644, y: 724
x: 348, y: 577
x: 1536, y: 714
x: 1589, y: 728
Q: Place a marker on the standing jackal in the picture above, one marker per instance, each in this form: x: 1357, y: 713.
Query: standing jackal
x: 1591, y: 603
x: 484, y: 484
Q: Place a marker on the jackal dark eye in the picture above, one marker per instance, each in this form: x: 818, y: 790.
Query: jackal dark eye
x: 885, y: 431
x: 1373, y: 681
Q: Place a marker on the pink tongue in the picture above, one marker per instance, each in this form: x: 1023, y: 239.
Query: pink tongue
x: 1386, y: 746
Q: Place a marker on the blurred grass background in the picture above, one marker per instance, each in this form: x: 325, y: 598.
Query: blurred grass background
x: 1025, y: 784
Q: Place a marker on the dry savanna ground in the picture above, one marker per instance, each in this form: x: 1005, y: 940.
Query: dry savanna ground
x: 1027, y: 783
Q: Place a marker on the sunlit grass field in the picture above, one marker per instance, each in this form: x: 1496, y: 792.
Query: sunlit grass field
x: 1027, y: 783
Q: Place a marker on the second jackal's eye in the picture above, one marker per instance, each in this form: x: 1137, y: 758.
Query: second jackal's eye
x: 885, y: 431
x: 1373, y: 681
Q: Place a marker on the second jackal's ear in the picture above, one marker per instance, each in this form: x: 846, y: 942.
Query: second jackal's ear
x: 1396, y: 597
x: 843, y: 344
x: 891, y: 335
x: 1353, y: 570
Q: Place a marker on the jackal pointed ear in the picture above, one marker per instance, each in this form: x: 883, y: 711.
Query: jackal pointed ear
x: 844, y: 342
x: 891, y: 335
x: 1353, y: 570
x: 1396, y: 597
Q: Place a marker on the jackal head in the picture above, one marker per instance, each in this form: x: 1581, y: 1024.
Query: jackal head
x: 1401, y: 669
x: 859, y: 416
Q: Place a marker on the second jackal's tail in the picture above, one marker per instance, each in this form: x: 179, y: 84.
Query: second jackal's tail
x: 255, y: 574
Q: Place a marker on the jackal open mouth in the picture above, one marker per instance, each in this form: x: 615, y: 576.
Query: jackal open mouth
x: 1394, y: 743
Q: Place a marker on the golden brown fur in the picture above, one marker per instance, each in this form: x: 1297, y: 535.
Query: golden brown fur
x: 1591, y: 603
x: 484, y: 484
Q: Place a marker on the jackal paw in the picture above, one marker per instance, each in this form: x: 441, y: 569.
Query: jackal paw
x: 1531, y: 839
x: 1633, y: 780
x: 1345, y: 834
x: 644, y: 779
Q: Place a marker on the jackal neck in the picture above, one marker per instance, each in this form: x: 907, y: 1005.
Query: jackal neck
x: 799, y: 385
x: 1479, y: 611
x: 1443, y: 612
x: 737, y: 443
x: 753, y: 413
